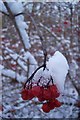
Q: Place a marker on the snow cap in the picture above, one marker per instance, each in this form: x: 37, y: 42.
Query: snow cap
x: 58, y: 67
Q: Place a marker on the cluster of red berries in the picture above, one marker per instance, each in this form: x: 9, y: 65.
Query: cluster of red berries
x: 48, y: 94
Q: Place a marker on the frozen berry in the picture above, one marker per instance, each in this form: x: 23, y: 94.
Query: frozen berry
x: 54, y: 91
x: 46, y: 108
x: 24, y: 94
x: 40, y: 96
x: 47, y: 94
x: 57, y: 103
x: 51, y: 104
x: 30, y: 94
x: 36, y: 91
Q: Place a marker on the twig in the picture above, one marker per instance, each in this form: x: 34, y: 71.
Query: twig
x: 30, y: 78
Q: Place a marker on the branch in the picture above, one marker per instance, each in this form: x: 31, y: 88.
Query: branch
x: 17, y: 58
x: 4, y: 13
x: 23, y: 61
x: 3, y: 8
x: 22, y: 32
x: 12, y: 74
x: 30, y: 78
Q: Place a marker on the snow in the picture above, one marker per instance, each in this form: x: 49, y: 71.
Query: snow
x: 12, y: 74
x: 16, y: 7
x: 21, y: 63
x: 32, y: 62
x: 58, y: 67
x: 1, y: 58
x: 1, y: 67
x: 22, y: 28
x: 14, y: 56
x: 73, y: 68
x: 44, y: 75
x: 2, y: 7
x: 25, y: 38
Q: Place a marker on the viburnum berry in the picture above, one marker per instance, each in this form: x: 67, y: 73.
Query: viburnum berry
x: 51, y: 104
x: 41, y: 96
x: 27, y: 94
x: 65, y: 22
x: 54, y: 91
x: 30, y: 94
x: 57, y: 103
x: 36, y: 91
x: 46, y: 107
x: 24, y: 94
x: 47, y: 94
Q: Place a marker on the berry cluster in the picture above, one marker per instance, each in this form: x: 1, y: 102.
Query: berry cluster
x: 43, y: 93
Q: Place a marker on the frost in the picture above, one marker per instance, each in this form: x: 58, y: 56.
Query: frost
x: 58, y: 68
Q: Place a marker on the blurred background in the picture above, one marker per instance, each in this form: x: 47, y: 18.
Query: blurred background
x: 59, y: 26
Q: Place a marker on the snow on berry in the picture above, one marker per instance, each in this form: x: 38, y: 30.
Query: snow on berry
x: 58, y: 68
x: 49, y: 83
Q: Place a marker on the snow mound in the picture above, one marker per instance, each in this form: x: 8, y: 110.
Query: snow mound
x: 58, y: 67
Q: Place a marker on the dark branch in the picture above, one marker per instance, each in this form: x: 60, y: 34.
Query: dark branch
x: 30, y: 78
x: 4, y: 13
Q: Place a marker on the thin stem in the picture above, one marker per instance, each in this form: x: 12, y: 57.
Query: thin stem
x: 30, y: 78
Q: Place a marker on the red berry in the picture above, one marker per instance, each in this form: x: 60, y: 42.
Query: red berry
x: 40, y: 96
x: 54, y: 103
x: 65, y: 22
x: 51, y: 104
x: 36, y: 91
x: 59, y: 29
x: 54, y: 91
x: 30, y: 94
x: 24, y: 94
x: 57, y: 103
x: 47, y: 94
x: 45, y: 107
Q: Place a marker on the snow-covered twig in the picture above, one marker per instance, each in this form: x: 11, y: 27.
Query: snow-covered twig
x: 12, y: 74
x: 18, y: 20
x: 3, y: 8
x: 23, y: 61
x: 30, y: 78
